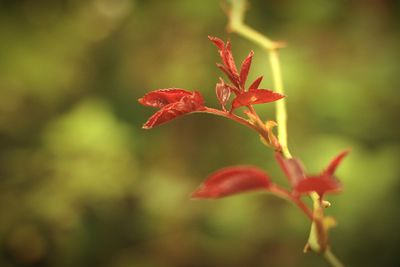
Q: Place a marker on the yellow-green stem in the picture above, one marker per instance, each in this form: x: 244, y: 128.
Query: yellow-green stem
x: 332, y: 259
x: 281, y: 115
x: 236, y: 24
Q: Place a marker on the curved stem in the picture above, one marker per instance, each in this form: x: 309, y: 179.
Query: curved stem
x: 229, y: 116
x: 332, y: 259
x: 281, y: 114
x: 260, y: 130
x: 237, y: 25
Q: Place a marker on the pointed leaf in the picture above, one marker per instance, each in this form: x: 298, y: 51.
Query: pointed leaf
x: 218, y: 42
x: 319, y: 184
x: 228, y: 60
x: 232, y: 180
x: 244, y: 70
x: 255, y: 97
x: 223, y: 92
x: 162, y: 97
x: 232, y: 78
x: 292, y: 168
x: 187, y: 104
x: 330, y: 170
x: 256, y: 83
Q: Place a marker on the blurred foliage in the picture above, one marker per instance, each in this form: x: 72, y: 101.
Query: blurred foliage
x: 82, y: 185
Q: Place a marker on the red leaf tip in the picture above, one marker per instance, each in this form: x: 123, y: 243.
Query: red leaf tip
x: 334, y: 164
x: 218, y: 42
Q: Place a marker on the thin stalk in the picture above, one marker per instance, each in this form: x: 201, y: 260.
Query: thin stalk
x: 229, y: 116
x: 260, y: 130
x: 332, y: 259
x: 281, y: 114
x: 236, y: 25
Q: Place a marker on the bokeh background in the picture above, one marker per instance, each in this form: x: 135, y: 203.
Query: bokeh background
x: 81, y: 184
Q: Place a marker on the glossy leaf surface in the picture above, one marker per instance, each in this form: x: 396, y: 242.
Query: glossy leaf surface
x: 259, y: 96
x: 162, y: 97
x: 232, y: 180
x: 187, y: 104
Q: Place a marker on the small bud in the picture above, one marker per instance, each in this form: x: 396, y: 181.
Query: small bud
x: 273, y: 140
x: 326, y: 204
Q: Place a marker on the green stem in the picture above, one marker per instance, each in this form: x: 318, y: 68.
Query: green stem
x: 236, y: 25
x: 332, y: 259
x: 281, y: 114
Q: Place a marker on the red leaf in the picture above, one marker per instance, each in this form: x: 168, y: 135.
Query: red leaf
x: 228, y: 67
x: 223, y: 92
x: 228, y: 60
x: 330, y: 170
x: 187, y: 104
x: 319, y: 184
x: 232, y: 180
x: 218, y: 42
x: 162, y: 97
x: 258, y: 96
x: 234, y: 80
x: 256, y: 83
x: 244, y: 70
x: 292, y: 168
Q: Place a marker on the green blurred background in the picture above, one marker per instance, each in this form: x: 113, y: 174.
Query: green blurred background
x: 81, y: 184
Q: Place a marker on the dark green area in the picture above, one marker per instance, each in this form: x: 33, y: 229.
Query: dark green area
x: 81, y: 184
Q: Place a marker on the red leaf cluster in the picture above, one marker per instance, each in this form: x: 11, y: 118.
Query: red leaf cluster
x: 173, y: 103
x: 254, y: 95
x: 323, y: 183
x: 233, y: 180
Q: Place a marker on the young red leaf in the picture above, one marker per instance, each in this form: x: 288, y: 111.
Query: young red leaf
x: 187, y: 104
x: 244, y: 70
x: 255, y: 97
x: 319, y: 184
x: 256, y: 83
x: 330, y: 170
x: 218, y: 42
x: 228, y: 67
x: 228, y: 60
x: 233, y: 79
x: 292, y: 168
x: 232, y: 180
x: 162, y: 97
x: 223, y: 92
